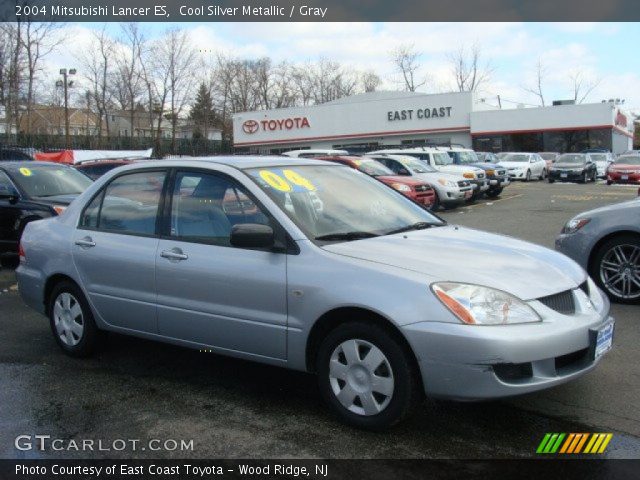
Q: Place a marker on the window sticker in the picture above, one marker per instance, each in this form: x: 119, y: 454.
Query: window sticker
x: 286, y: 180
x: 26, y: 172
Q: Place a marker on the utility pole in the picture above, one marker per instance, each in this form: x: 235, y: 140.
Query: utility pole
x: 66, y: 84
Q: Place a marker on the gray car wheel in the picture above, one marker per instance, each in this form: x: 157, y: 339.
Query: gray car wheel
x: 366, y: 375
x: 616, y: 268
x: 71, y: 320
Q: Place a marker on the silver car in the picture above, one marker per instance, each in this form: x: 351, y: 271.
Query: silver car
x: 606, y: 242
x: 378, y: 296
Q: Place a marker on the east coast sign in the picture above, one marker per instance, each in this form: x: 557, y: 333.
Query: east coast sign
x: 418, y: 113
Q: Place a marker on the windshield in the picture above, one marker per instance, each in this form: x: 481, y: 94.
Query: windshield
x: 373, y: 168
x: 629, y: 160
x: 416, y: 166
x: 515, y: 157
x: 466, y: 157
x: 548, y: 156
x: 49, y: 180
x: 572, y: 158
x: 598, y: 157
x: 442, y: 158
x: 338, y: 203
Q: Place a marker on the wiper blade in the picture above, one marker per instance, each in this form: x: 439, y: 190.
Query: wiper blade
x: 413, y: 226
x: 347, y: 236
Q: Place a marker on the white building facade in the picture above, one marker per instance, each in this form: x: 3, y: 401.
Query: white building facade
x: 377, y: 120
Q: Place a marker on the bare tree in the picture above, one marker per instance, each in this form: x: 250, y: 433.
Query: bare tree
x: 39, y: 40
x: 582, y: 85
x: 467, y: 68
x: 405, y: 60
x: 128, y: 79
x: 97, y: 64
x: 13, y: 70
x: 370, y: 81
x: 536, y: 87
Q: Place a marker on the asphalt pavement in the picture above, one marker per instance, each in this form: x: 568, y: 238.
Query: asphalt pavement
x: 136, y: 389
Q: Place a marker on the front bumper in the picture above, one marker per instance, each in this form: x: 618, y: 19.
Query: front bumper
x: 498, y: 182
x: 633, y: 178
x: 517, y: 174
x: 468, y: 362
x: 479, y: 186
x: 423, y: 198
x: 566, y: 175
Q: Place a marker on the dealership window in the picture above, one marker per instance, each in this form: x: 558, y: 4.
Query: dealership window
x: 357, y: 147
x: 556, y: 141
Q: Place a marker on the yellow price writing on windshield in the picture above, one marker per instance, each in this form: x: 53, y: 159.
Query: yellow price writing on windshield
x: 26, y: 172
x: 284, y: 184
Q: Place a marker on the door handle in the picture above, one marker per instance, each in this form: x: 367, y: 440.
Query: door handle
x: 174, y: 254
x: 85, y: 242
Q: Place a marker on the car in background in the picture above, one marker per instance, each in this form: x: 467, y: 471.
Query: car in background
x: 452, y: 190
x: 442, y: 162
x: 626, y: 169
x: 419, y: 191
x: 17, y: 153
x: 382, y: 300
x: 29, y: 191
x: 573, y: 167
x: 496, y: 175
x: 313, y: 152
x: 606, y: 243
x: 94, y: 169
x: 524, y: 166
x: 549, y: 157
x: 502, y: 155
x: 602, y: 161
x: 488, y: 157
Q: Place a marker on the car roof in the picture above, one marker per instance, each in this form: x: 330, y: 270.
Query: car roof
x: 240, y: 162
x: 29, y: 163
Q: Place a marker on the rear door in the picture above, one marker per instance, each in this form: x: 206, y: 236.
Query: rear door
x: 115, y: 246
x: 10, y: 214
x: 209, y: 292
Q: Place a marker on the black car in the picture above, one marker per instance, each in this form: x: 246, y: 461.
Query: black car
x: 29, y: 191
x: 16, y: 153
x: 572, y: 167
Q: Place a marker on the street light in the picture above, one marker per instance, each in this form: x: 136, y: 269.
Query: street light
x: 66, y: 84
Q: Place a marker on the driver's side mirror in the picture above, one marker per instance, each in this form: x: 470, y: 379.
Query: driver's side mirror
x: 6, y: 194
x: 404, y: 172
x: 252, y: 235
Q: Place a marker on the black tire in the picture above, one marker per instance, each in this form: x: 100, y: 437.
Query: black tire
x: 585, y: 177
x: 543, y: 174
x: 550, y: 180
x: 91, y: 337
x: 628, y: 240
x: 527, y: 177
x: 406, y: 386
x: 435, y: 206
x: 609, y: 182
x: 494, y: 193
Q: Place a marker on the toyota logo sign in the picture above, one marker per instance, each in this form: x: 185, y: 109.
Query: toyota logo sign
x: 250, y: 126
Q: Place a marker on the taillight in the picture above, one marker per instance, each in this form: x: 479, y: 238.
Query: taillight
x: 23, y: 257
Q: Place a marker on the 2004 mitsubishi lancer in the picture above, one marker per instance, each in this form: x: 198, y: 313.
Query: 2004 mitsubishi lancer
x: 276, y: 260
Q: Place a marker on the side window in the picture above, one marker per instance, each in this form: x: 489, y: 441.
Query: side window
x: 130, y: 204
x: 89, y: 218
x: 394, y: 165
x: 5, y: 184
x: 205, y: 207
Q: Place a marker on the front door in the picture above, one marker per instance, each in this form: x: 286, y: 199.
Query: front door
x: 209, y: 292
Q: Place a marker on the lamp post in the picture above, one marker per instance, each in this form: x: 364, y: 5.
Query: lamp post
x: 66, y: 84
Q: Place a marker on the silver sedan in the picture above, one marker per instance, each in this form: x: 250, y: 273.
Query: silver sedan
x: 315, y: 267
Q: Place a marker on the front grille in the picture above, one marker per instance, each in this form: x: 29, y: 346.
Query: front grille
x: 570, y: 362
x: 513, y: 372
x: 501, y: 172
x: 423, y: 188
x: 481, y: 175
x: 463, y: 183
x: 562, y: 302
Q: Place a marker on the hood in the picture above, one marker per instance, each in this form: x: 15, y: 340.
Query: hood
x: 460, y: 168
x: 623, y: 166
x: 465, y: 255
x: 514, y: 164
x: 633, y: 204
x: 57, y: 199
x: 485, y: 166
x: 413, y: 181
x: 434, y: 176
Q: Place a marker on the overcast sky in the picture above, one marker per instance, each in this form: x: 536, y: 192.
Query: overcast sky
x: 603, y: 51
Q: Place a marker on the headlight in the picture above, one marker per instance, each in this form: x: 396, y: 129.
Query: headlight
x: 447, y: 183
x: 401, y: 187
x: 491, y: 173
x: 476, y: 305
x: 469, y: 175
x: 575, y: 224
x: 595, y: 296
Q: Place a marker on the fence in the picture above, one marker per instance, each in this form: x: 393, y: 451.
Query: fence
x: 183, y: 146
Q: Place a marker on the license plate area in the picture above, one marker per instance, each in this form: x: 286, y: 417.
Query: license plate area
x: 601, y: 340
x: 624, y: 177
x: 563, y: 175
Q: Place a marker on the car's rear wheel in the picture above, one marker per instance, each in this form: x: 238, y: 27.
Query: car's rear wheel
x: 366, y: 376
x: 616, y: 268
x: 72, y: 323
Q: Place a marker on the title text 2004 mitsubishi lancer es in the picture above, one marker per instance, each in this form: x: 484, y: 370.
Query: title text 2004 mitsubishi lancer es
x: 276, y: 260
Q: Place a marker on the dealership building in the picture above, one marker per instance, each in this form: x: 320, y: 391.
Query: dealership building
x: 377, y: 120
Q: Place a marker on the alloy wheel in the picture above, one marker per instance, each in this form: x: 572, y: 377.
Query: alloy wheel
x: 620, y: 271
x: 361, y: 378
x: 68, y: 319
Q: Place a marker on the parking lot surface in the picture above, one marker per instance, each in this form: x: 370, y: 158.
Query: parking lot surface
x: 136, y: 389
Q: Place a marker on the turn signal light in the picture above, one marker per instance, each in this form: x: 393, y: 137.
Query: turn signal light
x: 21, y: 253
x: 59, y: 209
x: 457, y: 309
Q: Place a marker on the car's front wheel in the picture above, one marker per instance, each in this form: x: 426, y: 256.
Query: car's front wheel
x: 72, y: 323
x: 616, y: 268
x: 366, y: 376
x: 494, y: 193
x: 527, y: 176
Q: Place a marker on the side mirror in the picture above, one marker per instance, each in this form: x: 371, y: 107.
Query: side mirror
x: 6, y: 194
x: 403, y: 172
x: 252, y: 235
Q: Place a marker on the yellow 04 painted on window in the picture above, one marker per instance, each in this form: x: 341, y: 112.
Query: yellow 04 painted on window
x: 297, y: 179
x: 275, y: 180
x: 26, y: 172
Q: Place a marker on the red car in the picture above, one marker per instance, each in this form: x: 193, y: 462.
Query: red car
x: 417, y: 190
x: 626, y: 169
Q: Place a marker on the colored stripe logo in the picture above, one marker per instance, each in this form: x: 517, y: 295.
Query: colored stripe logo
x: 574, y: 443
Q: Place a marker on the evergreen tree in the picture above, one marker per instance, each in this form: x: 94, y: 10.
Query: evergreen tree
x: 202, y: 111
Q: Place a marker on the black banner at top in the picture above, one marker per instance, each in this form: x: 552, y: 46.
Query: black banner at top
x: 318, y: 10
